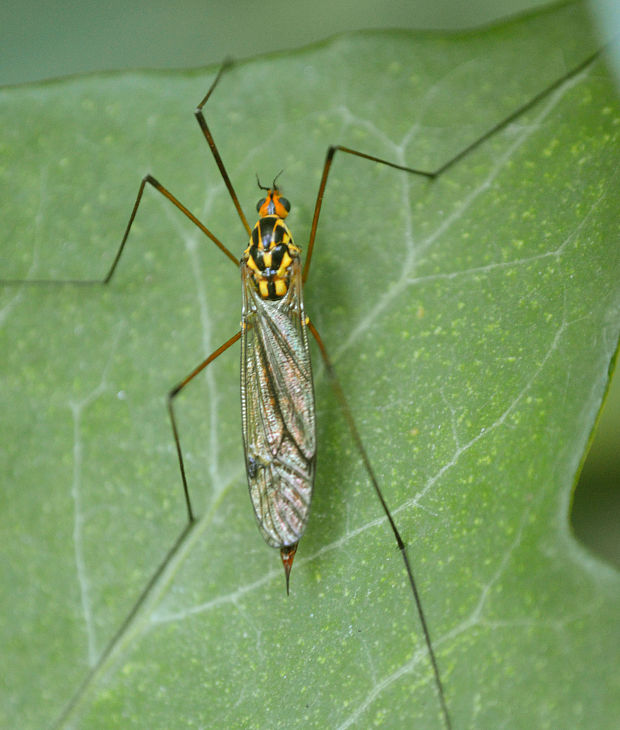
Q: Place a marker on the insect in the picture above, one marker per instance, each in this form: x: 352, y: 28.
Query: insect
x: 256, y: 463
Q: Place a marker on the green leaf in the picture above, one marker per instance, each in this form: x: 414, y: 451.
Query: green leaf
x: 472, y: 321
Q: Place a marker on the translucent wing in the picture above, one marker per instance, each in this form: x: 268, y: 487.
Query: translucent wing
x: 277, y: 408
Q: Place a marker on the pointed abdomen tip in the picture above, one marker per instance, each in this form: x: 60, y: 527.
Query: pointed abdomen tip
x: 287, y: 553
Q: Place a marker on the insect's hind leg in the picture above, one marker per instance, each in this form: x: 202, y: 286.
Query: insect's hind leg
x: 397, y: 536
x: 175, y: 431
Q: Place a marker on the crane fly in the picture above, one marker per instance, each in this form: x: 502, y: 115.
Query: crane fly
x: 277, y: 393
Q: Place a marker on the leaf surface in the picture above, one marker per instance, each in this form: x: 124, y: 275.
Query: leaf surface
x: 472, y: 322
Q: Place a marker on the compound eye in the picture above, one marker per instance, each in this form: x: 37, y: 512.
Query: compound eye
x: 284, y: 202
x: 260, y: 204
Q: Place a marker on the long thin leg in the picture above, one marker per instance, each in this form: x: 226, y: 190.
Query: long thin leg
x: 209, y: 137
x: 167, y: 194
x: 175, y: 201
x: 103, y: 657
x: 319, y: 198
x: 399, y: 541
x: 175, y: 431
x: 106, y: 279
x: 430, y: 174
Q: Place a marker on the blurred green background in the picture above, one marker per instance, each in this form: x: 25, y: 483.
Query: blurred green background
x: 41, y: 40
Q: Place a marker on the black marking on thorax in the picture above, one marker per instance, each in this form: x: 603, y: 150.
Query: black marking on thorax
x: 271, y: 246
